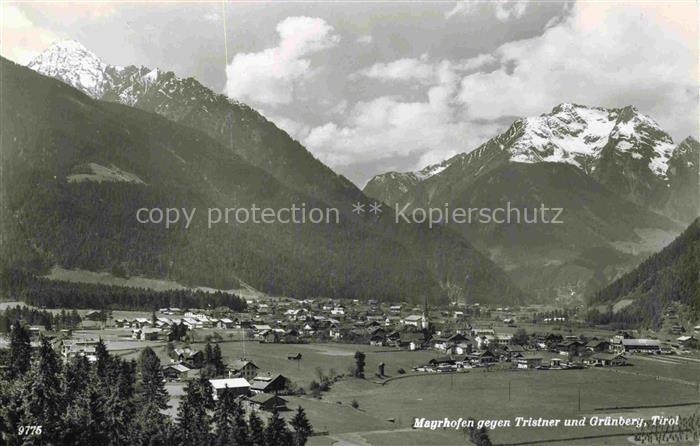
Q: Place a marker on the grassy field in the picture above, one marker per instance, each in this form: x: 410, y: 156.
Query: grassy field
x: 485, y: 395
x: 339, y: 357
x: 386, y: 412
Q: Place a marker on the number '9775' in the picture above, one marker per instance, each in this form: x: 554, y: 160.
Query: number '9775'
x: 29, y: 430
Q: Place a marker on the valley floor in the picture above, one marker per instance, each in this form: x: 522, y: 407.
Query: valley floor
x: 653, y: 385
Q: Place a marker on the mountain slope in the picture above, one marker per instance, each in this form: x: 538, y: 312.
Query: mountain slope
x: 609, y: 169
x: 52, y: 134
x: 594, y: 239
x: 671, y: 275
x: 186, y: 101
x: 684, y: 181
x: 389, y: 187
x: 622, y: 149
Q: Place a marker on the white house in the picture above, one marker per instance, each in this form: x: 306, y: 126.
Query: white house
x: 239, y: 386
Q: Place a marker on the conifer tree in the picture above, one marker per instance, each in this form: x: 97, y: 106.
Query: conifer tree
x: 231, y: 427
x: 84, y: 419
x: 257, y: 430
x: 102, y: 365
x: 43, y: 402
x: 359, y: 364
x: 217, y: 360
x: 119, y: 408
x: 193, y: 416
x: 20, y: 351
x: 152, y: 428
x: 152, y: 379
x: 77, y: 377
x: 302, y: 427
x: 276, y: 431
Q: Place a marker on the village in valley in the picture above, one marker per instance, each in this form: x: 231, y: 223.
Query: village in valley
x: 356, y: 366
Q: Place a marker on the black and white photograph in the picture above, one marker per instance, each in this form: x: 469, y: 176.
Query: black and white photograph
x: 349, y: 223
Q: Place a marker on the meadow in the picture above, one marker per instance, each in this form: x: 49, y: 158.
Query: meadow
x: 486, y: 395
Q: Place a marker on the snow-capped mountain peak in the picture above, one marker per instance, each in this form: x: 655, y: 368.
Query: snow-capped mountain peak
x: 70, y: 61
x: 577, y: 134
x: 162, y: 91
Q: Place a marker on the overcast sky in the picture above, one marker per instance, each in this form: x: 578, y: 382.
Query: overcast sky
x: 370, y: 87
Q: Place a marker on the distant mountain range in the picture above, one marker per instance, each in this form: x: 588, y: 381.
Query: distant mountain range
x: 669, y: 276
x: 625, y: 187
x: 76, y: 169
x: 186, y: 101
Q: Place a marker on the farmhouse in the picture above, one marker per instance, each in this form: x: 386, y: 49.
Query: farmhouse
x: 93, y: 315
x: 641, y: 345
x: 483, y: 357
x: 269, y: 384
x: 573, y: 348
x: 175, y: 371
x: 193, y: 358
x: 607, y: 360
x: 688, y: 341
x: 514, y: 351
x: 225, y: 323
x: 238, y: 386
x: 269, y: 402
x: 243, y: 368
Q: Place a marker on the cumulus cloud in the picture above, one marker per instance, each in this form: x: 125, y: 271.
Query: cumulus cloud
x: 602, y: 54
x: 389, y: 127
x: 421, y: 70
x: 270, y: 76
x: 505, y: 11
x: 407, y: 69
x: 598, y: 54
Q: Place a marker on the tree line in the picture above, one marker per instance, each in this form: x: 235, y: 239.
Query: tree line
x: 32, y: 316
x: 112, y: 401
x: 47, y: 293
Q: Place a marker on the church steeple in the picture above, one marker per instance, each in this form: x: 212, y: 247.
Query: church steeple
x: 426, y: 315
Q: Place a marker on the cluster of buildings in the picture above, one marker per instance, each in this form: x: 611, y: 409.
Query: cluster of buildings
x: 174, y: 316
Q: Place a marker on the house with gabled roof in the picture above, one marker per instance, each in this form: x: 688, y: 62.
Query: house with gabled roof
x: 267, y: 402
x: 269, y: 383
x: 243, y: 368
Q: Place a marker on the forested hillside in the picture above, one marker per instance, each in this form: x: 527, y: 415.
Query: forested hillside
x: 673, y: 274
x: 57, y: 208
